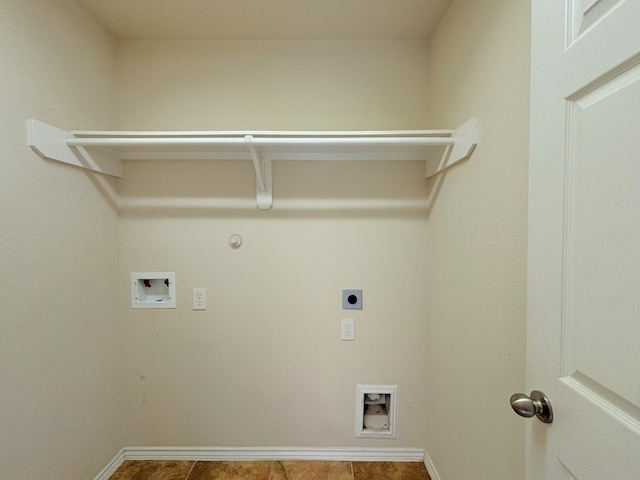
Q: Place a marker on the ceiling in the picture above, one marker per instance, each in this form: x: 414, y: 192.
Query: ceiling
x: 268, y: 19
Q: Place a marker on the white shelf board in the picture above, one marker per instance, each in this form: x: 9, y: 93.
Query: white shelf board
x: 102, y: 151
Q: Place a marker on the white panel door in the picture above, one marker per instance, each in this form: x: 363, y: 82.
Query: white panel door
x: 583, y: 330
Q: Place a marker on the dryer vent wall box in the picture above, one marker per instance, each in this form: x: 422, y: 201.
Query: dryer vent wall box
x: 376, y: 410
x: 153, y: 290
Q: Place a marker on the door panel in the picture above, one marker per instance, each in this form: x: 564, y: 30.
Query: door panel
x: 583, y: 14
x: 583, y: 331
x: 602, y: 248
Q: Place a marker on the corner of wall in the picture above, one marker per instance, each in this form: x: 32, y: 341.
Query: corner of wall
x: 60, y: 355
x: 479, y: 66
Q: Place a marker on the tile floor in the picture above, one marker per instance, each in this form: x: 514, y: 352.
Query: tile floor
x: 269, y: 470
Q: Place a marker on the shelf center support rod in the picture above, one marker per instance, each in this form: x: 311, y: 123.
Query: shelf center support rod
x: 262, y: 167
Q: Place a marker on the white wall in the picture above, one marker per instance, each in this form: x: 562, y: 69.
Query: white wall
x: 444, y: 295
x: 59, y: 334
x: 270, y: 85
x: 264, y: 365
x: 479, y: 66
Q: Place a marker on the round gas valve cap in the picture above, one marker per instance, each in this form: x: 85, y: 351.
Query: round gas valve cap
x: 235, y: 240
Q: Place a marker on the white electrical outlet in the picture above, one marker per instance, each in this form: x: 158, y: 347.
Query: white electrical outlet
x: 199, y: 298
x: 348, y: 329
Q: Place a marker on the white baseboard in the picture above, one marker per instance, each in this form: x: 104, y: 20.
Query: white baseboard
x: 431, y: 468
x: 269, y: 453
x: 111, y: 467
x: 274, y: 453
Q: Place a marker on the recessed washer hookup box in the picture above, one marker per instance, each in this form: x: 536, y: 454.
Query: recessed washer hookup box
x: 153, y: 290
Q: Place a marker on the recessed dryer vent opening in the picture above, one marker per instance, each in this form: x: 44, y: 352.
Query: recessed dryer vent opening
x: 376, y: 410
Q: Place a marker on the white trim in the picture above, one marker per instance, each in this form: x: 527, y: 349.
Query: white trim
x: 275, y: 453
x: 431, y: 468
x: 112, y: 466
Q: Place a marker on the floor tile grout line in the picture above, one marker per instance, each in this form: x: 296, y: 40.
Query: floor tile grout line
x: 353, y: 476
x: 191, y: 471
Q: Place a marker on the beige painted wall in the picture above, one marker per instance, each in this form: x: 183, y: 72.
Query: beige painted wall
x: 59, y: 334
x: 269, y: 85
x: 476, y: 239
x: 444, y: 295
x: 264, y: 365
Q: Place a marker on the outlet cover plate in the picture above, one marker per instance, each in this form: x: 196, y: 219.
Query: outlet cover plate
x: 348, y: 331
x: 199, y: 298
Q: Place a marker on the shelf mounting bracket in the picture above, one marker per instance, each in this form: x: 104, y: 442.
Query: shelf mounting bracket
x: 466, y: 139
x: 50, y: 142
x: 262, y: 166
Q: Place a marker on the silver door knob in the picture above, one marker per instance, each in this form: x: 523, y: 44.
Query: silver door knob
x: 537, y: 404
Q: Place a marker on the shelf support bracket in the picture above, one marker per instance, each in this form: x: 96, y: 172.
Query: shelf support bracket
x: 466, y: 139
x: 50, y: 142
x: 262, y: 166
